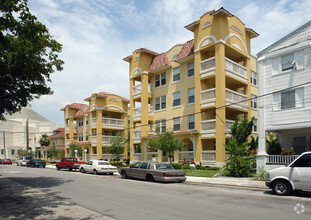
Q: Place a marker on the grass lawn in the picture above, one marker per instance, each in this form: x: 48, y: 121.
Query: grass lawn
x: 201, y: 173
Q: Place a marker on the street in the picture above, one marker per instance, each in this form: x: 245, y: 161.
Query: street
x: 133, y: 199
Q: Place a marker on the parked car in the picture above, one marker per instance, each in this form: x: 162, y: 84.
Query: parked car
x: 35, y: 163
x: 7, y: 162
x: 161, y: 172
x: 296, y: 176
x: 0, y: 161
x: 69, y: 163
x: 22, y: 161
x: 98, y: 166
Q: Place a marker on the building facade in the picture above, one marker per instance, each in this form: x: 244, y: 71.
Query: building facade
x: 57, y: 139
x: 196, y: 89
x: 92, y: 126
x: 285, y: 84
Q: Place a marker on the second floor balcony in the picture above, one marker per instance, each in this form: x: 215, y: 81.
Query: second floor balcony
x: 137, y: 113
x: 136, y: 136
x: 105, y: 140
x: 209, y: 126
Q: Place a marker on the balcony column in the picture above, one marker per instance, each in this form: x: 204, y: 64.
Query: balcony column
x: 126, y: 147
x: 71, y: 131
x: 220, y: 79
x: 247, y: 87
x: 132, y: 106
x: 144, y: 111
x: 99, y: 135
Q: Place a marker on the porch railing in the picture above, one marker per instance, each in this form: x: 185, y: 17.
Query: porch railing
x: 236, y: 68
x: 137, y: 156
x: 188, y: 155
x: 281, y: 159
x: 110, y: 157
x: 207, y: 64
x: 208, y: 94
x: 113, y: 122
x: 149, y: 157
x: 236, y: 97
x: 208, y: 155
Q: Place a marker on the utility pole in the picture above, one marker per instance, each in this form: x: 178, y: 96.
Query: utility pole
x: 4, y: 144
x: 27, y: 137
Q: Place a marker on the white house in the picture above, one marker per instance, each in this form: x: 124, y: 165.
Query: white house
x: 13, y: 131
x: 284, y: 75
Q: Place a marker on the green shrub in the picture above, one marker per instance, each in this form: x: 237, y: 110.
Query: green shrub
x: 261, y: 175
x: 116, y: 163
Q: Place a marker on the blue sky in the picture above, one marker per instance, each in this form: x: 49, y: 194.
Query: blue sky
x: 97, y: 34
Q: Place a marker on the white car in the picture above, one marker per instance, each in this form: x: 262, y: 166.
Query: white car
x: 98, y: 166
x: 296, y: 176
x: 22, y: 161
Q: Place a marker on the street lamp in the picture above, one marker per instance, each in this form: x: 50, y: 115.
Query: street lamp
x: 85, y: 150
x: 76, y: 152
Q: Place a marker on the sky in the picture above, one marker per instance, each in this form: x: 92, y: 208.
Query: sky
x: 97, y: 34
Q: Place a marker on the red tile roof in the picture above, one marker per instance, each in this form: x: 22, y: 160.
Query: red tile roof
x: 82, y: 111
x: 60, y: 133
x: 189, y: 26
x: 74, y: 106
x: 139, y: 51
x: 186, y: 51
x: 223, y: 11
x: 252, y: 33
x: 104, y: 95
x: 159, y: 61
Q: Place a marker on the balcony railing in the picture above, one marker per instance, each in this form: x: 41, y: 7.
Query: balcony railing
x: 110, y: 157
x: 210, y: 125
x: 208, y: 95
x: 207, y: 64
x: 149, y: 155
x: 235, y: 68
x: 186, y: 155
x: 67, y: 128
x: 281, y: 159
x: 208, y: 156
x: 137, y: 156
x: 137, y: 112
x: 113, y: 122
x: 106, y: 139
x: 137, y: 89
x: 67, y: 142
x: 137, y: 134
x: 236, y: 98
x: 229, y: 124
x: 94, y: 139
x: 94, y: 122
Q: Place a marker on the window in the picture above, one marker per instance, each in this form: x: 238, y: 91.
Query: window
x: 253, y: 78
x: 160, y: 103
x: 288, y: 62
x: 304, y: 161
x: 176, y: 122
x: 288, y: 99
x: 87, y: 136
x: 191, y: 69
x: 191, y: 122
x: 12, y: 151
x: 253, y: 101
x: 176, y: 74
x: 176, y: 99
x: 94, y: 132
x: 80, y: 122
x: 2, y: 151
x: 106, y: 133
x: 255, y: 125
x: 94, y: 114
x: 160, y: 79
x: 160, y: 126
x: 144, y: 165
x: 80, y: 137
x: 136, y: 165
x: 87, y: 120
x: 191, y: 96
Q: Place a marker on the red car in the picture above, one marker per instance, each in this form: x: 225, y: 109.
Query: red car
x: 7, y: 162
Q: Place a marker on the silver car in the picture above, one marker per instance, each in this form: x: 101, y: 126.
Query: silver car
x: 98, y: 166
x: 22, y: 161
x: 296, y: 176
x: 161, y: 172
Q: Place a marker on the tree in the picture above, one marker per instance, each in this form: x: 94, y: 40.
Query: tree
x: 52, y: 152
x: 72, y: 148
x: 273, y: 147
x: 28, y: 55
x: 241, y: 160
x: 44, y: 141
x: 165, y: 141
x: 117, y: 145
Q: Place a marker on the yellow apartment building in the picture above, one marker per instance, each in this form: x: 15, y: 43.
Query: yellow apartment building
x: 197, y: 89
x: 57, y: 139
x: 92, y: 125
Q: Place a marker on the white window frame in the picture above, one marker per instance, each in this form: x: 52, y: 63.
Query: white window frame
x: 287, y: 62
x: 161, y: 102
x: 161, y: 80
x: 190, y: 91
x: 160, y: 126
x: 190, y: 67
x: 176, y: 74
x: 176, y: 99
x: 255, y: 125
x: 176, y: 122
x: 191, y: 119
x: 289, y: 104
x: 254, y: 78
x: 254, y: 103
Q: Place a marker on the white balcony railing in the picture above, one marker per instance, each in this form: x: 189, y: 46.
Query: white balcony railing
x: 229, y: 124
x: 207, y: 64
x: 149, y: 155
x: 137, y: 134
x: 137, y: 112
x: 208, y: 125
x: 186, y: 155
x: 236, y: 98
x: 67, y: 141
x: 137, y: 156
x: 67, y: 128
x: 281, y: 159
x: 106, y: 139
x: 110, y: 157
x: 94, y: 139
x: 113, y: 122
x: 137, y: 89
x: 235, y: 68
x: 208, y: 156
x: 208, y: 95
x: 94, y: 122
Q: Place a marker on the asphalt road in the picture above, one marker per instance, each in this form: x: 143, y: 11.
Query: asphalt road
x: 133, y: 199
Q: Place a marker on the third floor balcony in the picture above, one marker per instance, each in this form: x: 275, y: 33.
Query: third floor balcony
x: 137, y: 113
x: 109, y: 123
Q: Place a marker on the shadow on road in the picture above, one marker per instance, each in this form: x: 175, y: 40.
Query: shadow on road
x: 20, y: 198
x: 302, y: 194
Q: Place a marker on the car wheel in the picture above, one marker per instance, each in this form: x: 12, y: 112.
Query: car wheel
x: 110, y: 173
x: 33, y: 165
x: 43, y: 166
x: 149, y: 178
x: 68, y: 168
x: 95, y: 172
x: 123, y: 174
x: 82, y: 170
x: 57, y: 168
x: 281, y: 187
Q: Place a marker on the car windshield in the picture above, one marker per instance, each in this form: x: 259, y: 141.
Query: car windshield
x: 103, y: 163
x: 164, y: 166
x: 37, y: 160
x: 28, y: 158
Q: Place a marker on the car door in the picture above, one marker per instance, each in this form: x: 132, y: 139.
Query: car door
x: 300, y: 172
x: 142, y: 170
x: 133, y: 170
x: 88, y: 166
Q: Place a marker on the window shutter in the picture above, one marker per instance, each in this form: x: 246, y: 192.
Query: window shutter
x: 299, y: 59
x: 276, y: 102
x: 299, y: 97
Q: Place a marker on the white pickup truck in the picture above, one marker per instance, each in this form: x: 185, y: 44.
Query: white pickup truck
x: 296, y: 176
x: 98, y: 166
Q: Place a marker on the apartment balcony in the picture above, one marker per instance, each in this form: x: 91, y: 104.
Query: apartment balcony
x: 136, y: 137
x: 137, y: 157
x: 208, y: 127
x: 94, y: 140
x: 94, y: 122
x: 137, y: 113
x: 207, y: 67
x: 106, y: 140
x: 208, y: 98
x: 235, y: 70
x: 137, y: 91
x: 208, y: 157
x: 67, y: 129
x: 236, y: 100
x: 113, y: 123
x: 186, y: 155
x: 67, y: 142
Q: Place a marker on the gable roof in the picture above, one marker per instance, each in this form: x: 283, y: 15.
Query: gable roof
x: 74, y: 106
x: 60, y: 133
x: 186, y: 50
x: 159, y: 61
x: 139, y: 51
x: 285, y: 38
